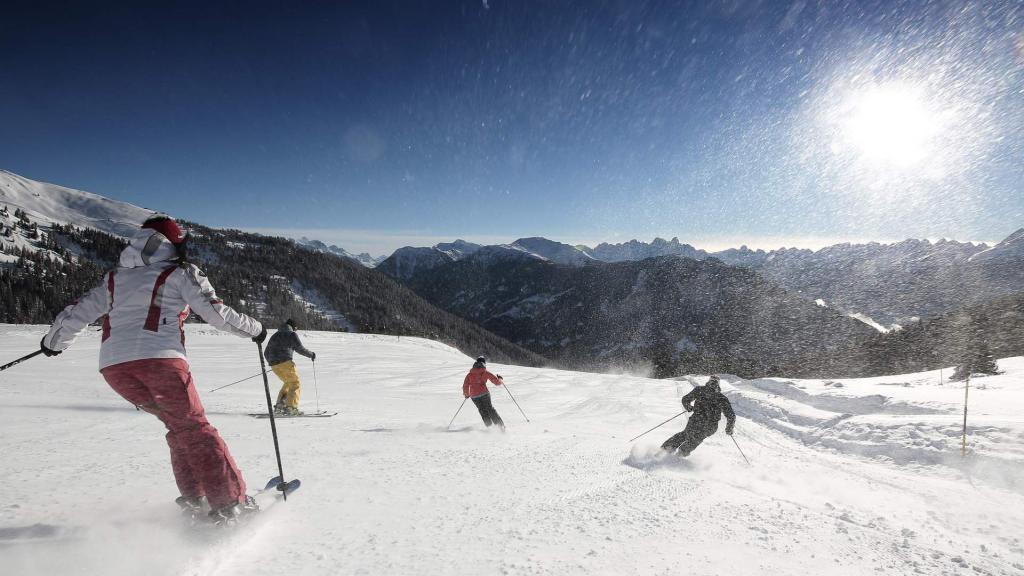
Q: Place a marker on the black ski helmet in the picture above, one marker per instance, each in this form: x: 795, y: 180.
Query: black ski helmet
x: 713, y: 383
x: 292, y: 323
x: 481, y: 359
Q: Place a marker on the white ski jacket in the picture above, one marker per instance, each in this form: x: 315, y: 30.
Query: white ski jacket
x: 143, y: 303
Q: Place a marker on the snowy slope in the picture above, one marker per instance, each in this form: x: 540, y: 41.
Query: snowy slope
x: 387, y: 490
x: 49, y: 203
x: 1010, y: 249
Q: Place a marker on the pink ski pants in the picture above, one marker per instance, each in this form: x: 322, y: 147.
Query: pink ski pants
x: 202, y: 464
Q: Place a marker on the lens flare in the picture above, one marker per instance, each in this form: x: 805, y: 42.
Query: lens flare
x: 893, y: 125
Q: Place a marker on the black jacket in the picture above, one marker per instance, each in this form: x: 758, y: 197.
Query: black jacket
x: 710, y: 404
x: 282, y: 343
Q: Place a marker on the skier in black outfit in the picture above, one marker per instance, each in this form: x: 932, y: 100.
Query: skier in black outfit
x: 710, y: 404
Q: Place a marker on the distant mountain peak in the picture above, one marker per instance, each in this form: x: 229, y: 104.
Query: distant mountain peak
x: 556, y: 252
x: 365, y: 259
x: 458, y: 249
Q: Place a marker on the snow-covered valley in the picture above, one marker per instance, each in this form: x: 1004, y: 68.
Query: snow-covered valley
x: 846, y: 476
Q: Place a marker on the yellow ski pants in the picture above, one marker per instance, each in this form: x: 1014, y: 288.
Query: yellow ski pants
x: 289, y: 394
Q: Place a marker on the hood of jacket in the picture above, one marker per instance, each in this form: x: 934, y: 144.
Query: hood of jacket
x: 147, y: 247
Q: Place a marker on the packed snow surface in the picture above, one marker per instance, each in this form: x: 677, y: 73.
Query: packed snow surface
x: 846, y: 476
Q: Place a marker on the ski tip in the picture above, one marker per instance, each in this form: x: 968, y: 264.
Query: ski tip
x: 275, y: 481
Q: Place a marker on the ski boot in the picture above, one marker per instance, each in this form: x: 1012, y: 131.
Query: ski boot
x: 234, y: 514
x: 285, y: 410
x: 192, y: 507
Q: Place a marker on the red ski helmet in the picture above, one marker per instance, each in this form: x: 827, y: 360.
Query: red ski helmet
x: 166, y: 225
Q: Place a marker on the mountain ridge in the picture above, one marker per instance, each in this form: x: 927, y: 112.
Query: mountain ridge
x: 46, y: 263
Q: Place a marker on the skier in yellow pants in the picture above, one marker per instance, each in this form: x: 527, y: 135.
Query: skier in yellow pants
x: 279, y: 356
x: 288, y: 397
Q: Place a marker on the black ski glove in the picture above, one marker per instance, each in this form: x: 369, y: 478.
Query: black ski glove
x: 312, y: 356
x: 46, y: 351
x: 728, y: 431
x: 261, y: 337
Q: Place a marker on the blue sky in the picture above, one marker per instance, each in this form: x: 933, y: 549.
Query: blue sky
x: 378, y: 124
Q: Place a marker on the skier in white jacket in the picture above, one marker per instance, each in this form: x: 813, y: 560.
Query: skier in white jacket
x: 144, y: 303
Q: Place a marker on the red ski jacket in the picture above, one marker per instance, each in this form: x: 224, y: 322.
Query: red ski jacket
x: 475, y: 383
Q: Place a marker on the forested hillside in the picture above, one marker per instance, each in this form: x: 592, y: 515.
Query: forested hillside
x: 269, y: 278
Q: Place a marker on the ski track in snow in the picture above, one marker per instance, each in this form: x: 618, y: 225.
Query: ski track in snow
x: 387, y: 489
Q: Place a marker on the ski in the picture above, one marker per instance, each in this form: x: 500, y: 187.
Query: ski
x: 321, y: 414
x: 272, y: 493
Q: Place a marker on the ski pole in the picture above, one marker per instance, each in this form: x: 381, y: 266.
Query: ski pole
x: 738, y: 448
x: 20, y: 360
x: 233, y: 383
x: 658, y: 426
x: 963, y: 446
x: 316, y: 390
x: 457, y: 413
x: 514, y: 400
x: 273, y: 426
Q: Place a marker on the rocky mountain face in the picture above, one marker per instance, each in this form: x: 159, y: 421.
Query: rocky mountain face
x: 636, y: 250
x: 672, y: 315
x: 890, y: 284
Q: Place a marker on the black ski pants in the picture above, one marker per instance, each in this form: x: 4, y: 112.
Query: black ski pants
x: 687, y: 441
x: 487, y: 411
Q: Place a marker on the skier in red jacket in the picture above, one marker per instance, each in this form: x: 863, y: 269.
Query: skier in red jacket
x: 475, y: 388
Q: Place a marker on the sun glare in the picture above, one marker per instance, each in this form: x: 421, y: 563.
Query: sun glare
x: 892, y: 125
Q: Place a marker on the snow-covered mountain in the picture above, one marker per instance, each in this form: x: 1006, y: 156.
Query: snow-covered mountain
x: 407, y: 262
x: 55, y: 245
x: 885, y: 285
x: 556, y: 252
x: 50, y: 203
x: 364, y: 258
x: 1010, y: 249
x: 845, y: 477
x: 458, y: 249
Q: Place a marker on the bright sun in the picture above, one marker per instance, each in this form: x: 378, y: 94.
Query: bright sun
x: 892, y: 125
